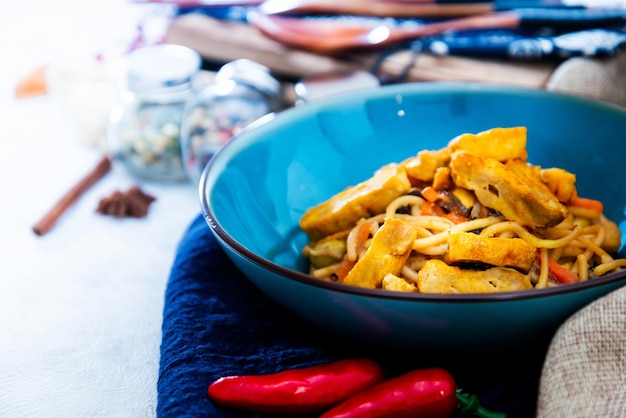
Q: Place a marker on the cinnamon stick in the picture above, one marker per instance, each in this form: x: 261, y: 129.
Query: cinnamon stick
x: 49, y: 219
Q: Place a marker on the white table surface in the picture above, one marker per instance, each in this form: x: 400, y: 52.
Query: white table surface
x: 80, y: 307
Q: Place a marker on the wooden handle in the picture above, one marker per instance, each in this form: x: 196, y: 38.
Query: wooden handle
x: 379, y: 8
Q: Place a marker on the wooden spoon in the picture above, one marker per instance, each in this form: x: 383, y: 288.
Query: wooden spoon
x: 378, y: 8
x: 328, y: 37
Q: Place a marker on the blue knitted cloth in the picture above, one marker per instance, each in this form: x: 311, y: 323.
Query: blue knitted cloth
x: 216, y: 323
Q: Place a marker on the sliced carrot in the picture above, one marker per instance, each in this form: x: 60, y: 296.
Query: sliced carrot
x: 456, y: 218
x: 362, y: 235
x: 427, y: 209
x: 430, y: 207
x: 344, y: 267
x: 560, y: 273
x: 439, y: 211
x: 430, y: 194
x: 586, y: 203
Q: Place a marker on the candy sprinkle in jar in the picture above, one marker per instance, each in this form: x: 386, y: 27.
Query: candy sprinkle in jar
x: 242, y: 92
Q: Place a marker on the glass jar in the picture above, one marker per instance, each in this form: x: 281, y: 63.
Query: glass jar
x: 241, y: 93
x: 144, y: 127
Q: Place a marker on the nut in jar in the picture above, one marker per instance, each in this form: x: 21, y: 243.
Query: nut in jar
x: 145, y: 126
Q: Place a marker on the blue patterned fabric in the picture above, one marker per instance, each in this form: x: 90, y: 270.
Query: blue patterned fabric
x: 216, y: 323
x: 529, y: 45
x: 547, y: 34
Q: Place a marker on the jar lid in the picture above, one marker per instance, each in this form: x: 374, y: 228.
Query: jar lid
x: 251, y: 73
x: 164, y: 67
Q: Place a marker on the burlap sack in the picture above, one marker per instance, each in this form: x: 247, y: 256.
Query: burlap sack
x: 584, y: 374
x: 599, y: 78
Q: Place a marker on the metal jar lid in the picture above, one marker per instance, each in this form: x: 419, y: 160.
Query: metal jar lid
x: 251, y: 73
x: 162, y: 68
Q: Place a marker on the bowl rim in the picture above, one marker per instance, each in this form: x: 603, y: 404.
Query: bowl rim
x: 304, y: 278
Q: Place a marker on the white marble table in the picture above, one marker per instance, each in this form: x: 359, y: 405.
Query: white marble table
x: 80, y: 307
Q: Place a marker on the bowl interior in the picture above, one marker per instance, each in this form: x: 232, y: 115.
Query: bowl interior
x: 258, y: 186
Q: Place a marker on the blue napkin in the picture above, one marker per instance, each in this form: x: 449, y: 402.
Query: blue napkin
x: 216, y: 323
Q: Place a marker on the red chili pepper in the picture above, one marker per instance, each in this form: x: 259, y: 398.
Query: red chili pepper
x: 297, y: 391
x: 419, y: 393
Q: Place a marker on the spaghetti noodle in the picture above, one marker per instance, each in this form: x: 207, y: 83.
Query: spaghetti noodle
x: 472, y: 217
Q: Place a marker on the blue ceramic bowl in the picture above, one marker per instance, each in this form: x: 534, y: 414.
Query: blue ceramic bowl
x: 255, y: 190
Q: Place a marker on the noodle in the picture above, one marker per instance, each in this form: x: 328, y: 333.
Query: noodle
x: 582, y: 267
x: 441, y: 237
x: 583, y: 213
x: 409, y: 273
x: 592, y: 246
x: 325, y: 271
x: 408, y: 200
x: 608, y: 266
x: 527, y: 236
x: 543, y: 271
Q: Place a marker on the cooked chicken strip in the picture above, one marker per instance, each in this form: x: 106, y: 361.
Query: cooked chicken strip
x: 561, y: 183
x: 521, y: 200
x: 466, y: 247
x: 363, y: 200
x: 502, y: 144
x: 425, y: 164
x: 389, y: 250
x: 438, y: 277
x: 394, y: 283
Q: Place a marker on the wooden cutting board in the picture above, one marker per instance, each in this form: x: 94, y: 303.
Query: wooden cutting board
x: 223, y: 41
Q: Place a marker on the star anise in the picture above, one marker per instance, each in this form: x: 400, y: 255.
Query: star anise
x: 133, y: 203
